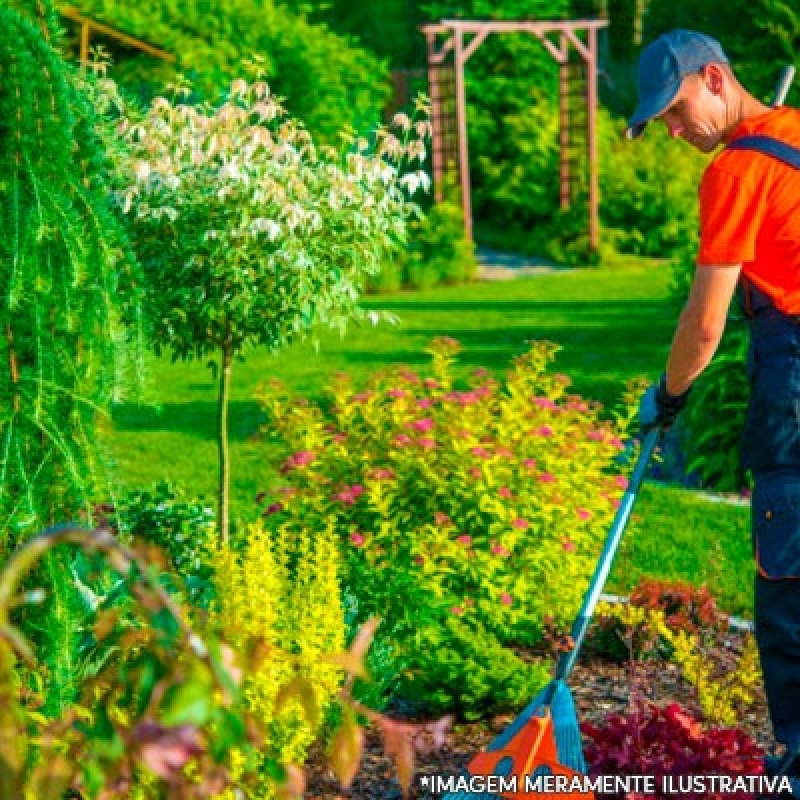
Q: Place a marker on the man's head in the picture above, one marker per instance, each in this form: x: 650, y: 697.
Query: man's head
x: 685, y: 79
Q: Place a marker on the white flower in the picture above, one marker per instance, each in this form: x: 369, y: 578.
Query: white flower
x: 141, y: 170
x: 402, y: 121
x: 410, y: 182
x: 268, y: 226
x: 238, y: 87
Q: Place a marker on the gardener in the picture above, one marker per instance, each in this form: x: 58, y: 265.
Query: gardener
x: 750, y: 237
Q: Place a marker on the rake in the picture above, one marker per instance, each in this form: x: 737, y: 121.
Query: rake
x: 545, y: 740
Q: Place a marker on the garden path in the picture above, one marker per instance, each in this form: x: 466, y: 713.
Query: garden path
x: 498, y: 266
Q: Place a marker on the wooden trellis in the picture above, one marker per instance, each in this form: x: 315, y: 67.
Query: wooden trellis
x: 87, y: 25
x: 453, y: 36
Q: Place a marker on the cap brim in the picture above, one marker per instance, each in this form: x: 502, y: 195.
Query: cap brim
x: 649, y: 108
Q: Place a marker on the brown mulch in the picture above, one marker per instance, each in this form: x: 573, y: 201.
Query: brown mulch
x: 599, y: 687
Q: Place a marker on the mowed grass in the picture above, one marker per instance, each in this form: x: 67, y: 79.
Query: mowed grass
x: 612, y: 324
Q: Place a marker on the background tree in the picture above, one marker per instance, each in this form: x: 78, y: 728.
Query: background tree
x: 249, y: 233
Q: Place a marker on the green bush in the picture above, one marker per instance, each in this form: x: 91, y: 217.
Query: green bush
x: 327, y: 80
x: 461, y: 666
x: 437, y: 253
x: 181, y: 527
x: 648, y: 190
x: 384, y: 662
x: 482, y: 503
x: 714, y: 420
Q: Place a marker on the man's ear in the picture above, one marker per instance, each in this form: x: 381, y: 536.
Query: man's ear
x: 714, y: 77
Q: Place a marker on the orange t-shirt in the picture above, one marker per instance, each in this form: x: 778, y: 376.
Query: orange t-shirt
x: 750, y: 211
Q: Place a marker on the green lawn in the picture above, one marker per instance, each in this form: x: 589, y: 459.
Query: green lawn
x: 613, y: 324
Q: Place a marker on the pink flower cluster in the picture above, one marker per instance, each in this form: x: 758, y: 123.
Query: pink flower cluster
x: 463, y: 399
x: 302, y: 458
x: 545, y: 402
x: 409, y: 376
x: 349, y: 494
x: 544, y: 430
x: 382, y: 474
x: 362, y: 397
x: 421, y: 424
x: 577, y: 405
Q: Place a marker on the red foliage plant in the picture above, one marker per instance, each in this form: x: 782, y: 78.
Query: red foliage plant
x: 685, y: 607
x: 669, y: 741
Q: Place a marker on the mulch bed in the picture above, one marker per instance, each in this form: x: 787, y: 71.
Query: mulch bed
x: 599, y: 687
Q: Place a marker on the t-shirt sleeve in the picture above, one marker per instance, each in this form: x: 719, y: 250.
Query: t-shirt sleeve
x: 731, y: 214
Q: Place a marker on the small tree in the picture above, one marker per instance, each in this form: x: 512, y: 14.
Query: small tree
x: 249, y: 233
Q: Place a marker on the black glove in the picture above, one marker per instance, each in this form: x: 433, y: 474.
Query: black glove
x: 658, y: 408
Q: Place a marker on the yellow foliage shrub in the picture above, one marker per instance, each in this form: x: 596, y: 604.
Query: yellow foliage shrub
x: 725, y: 681
x: 279, y: 596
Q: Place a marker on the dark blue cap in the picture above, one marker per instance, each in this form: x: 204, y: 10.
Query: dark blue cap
x: 663, y: 65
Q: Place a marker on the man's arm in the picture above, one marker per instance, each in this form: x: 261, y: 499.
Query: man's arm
x: 701, y: 325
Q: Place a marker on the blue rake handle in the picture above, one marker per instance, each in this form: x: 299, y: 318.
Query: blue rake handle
x: 590, y: 600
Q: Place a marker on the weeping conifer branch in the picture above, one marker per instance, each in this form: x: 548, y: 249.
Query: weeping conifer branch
x: 60, y: 248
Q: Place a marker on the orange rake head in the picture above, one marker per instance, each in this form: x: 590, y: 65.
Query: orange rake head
x: 531, y: 758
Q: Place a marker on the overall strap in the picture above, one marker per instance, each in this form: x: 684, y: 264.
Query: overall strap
x: 771, y: 147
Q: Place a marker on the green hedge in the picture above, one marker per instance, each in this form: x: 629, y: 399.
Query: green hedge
x: 438, y: 253
x: 327, y: 80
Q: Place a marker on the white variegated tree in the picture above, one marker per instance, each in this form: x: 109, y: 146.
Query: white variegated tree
x: 249, y: 233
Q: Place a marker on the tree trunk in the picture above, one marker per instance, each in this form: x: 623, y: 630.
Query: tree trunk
x: 224, y: 448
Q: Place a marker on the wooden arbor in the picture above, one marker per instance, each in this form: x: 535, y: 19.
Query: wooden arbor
x: 454, y: 35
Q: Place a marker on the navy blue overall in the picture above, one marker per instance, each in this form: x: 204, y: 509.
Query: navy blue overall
x: 771, y: 450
